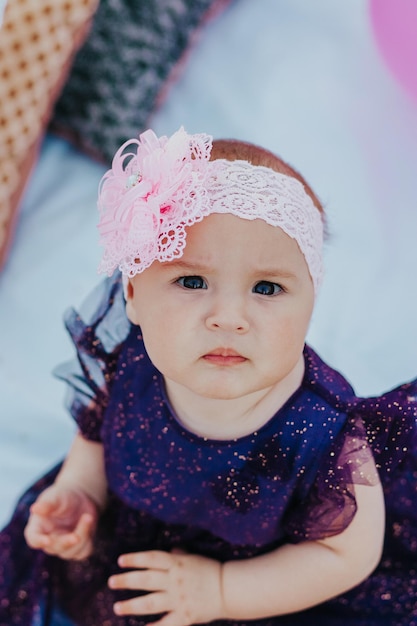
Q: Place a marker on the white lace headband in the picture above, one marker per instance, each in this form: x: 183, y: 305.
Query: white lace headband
x: 151, y: 194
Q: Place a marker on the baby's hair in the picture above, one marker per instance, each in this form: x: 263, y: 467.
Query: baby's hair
x: 233, y: 149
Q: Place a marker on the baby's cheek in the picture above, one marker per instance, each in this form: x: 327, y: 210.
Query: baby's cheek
x: 287, y: 342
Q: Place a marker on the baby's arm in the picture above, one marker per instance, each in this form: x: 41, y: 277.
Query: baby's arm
x: 296, y: 577
x: 194, y: 589
x: 63, y: 519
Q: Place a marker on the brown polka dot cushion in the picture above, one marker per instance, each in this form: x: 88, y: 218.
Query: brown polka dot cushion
x: 38, y: 40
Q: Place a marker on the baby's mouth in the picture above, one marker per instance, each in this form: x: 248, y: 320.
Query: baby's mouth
x: 224, y: 356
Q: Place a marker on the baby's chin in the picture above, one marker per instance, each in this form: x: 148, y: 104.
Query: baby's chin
x: 226, y: 393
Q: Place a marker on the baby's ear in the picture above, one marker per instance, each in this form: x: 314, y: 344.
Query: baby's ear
x: 129, y: 296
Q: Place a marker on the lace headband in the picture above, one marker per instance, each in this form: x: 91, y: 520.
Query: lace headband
x: 159, y: 186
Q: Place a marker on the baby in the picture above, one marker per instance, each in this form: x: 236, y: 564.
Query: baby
x: 221, y: 470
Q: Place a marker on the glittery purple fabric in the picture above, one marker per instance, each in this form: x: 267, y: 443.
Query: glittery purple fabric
x: 288, y: 482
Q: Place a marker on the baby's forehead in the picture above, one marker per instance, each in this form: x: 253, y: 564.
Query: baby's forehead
x: 224, y: 235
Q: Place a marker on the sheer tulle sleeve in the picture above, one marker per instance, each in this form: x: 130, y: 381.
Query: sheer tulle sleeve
x: 329, y: 504
x: 97, y: 332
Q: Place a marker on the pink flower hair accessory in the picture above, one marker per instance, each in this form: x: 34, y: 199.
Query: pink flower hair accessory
x: 157, y: 187
x: 153, y: 191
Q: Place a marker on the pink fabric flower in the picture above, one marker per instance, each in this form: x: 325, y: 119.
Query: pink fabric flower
x: 154, y: 189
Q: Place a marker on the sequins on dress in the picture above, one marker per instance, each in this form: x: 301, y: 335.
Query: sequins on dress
x: 290, y: 481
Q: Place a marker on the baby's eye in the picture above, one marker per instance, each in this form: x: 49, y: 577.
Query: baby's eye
x: 192, y: 282
x: 266, y: 288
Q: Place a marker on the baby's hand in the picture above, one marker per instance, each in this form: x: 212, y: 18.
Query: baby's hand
x: 62, y: 522
x: 185, y: 588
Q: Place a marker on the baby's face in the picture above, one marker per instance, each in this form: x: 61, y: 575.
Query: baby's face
x: 230, y: 317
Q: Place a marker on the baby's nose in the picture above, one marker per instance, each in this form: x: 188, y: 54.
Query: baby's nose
x: 230, y: 317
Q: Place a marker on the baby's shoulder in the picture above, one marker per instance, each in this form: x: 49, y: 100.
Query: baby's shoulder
x: 388, y: 422
x: 327, y: 383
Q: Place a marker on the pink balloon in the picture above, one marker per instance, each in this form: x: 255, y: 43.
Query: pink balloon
x: 395, y: 27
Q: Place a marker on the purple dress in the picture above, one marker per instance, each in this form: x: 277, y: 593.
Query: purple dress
x: 290, y: 481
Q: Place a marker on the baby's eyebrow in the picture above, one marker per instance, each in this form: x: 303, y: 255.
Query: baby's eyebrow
x: 274, y: 272
x: 259, y: 273
x: 185, y: 265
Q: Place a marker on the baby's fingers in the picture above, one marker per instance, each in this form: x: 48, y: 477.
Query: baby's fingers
x: 85, y: 526
x: 37, y: 531
x: 150, y: 604
x: 77, y: 544
x: 150, y: 559
x: 51, y: 543
x: 48, y: 503
x: 35, y: 538
x: 60, y: 545
x: 143, y: 580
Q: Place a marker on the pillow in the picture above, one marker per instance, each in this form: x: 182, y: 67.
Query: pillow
x: 38, y: 39
x: 123, y: 70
